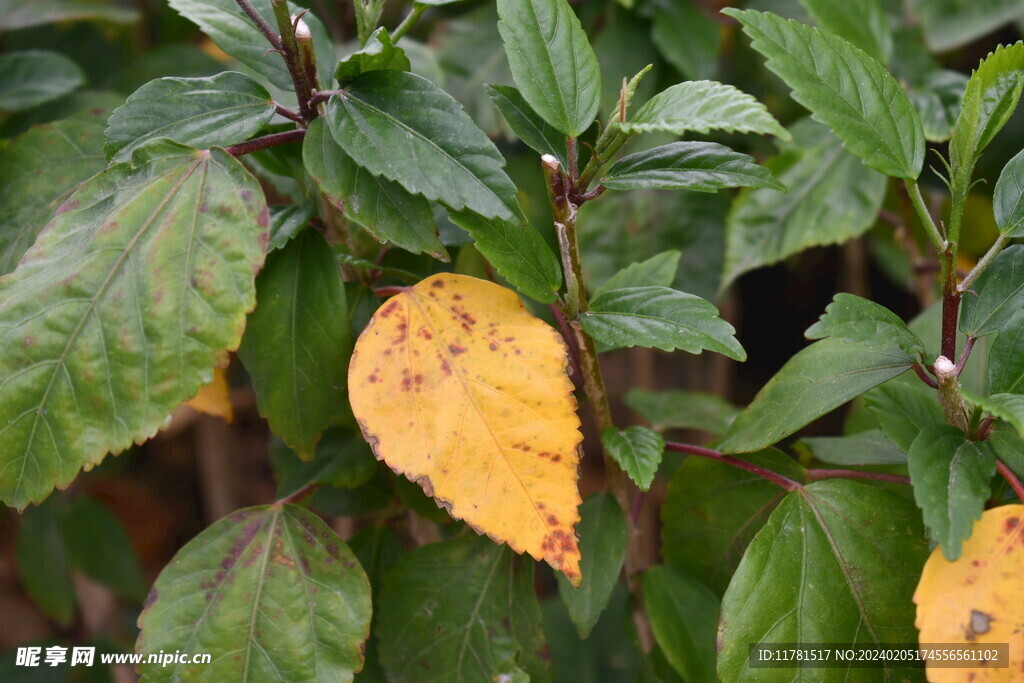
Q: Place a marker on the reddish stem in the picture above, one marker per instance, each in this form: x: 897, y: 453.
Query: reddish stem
x: 924, y: 377
x: 288, y: 113
x: 964, y: 355
x: 950, y: 307
x: 265, y: 28
x: 388, y: 291
x: 265, y: 142
x: 295, y: 497
x: 1011, y: 479
x: 819, y: 474
x: 775, y: 478
x: 570, y: 338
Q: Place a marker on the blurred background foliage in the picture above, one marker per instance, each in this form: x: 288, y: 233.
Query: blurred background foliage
x: 76, y: 569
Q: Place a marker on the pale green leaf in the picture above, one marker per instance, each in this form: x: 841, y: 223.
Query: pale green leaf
x: 377, y: 54
x: 32, y: 77
x: 637, y: 450
x: 677, y: 409
x: 857, y: 319
x: 688, y: 38
x: 18, y: 14
x: 700, y: 166
x: 658, y: 271
x: 863, y: 23
x: 864, y: 448
x: 952, y: 23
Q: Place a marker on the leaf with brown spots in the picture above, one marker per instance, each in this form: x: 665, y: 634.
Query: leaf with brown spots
x: 976, y: 601
x: 459, y: 388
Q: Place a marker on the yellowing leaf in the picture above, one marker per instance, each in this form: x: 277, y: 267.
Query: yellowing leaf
x: 459, y: 388
x: 214, y: 398
x: 976, y: 600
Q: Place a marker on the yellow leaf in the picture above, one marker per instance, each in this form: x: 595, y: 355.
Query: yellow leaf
x: 459, y: 388
x: 977, y: 599
x: 214, y: 399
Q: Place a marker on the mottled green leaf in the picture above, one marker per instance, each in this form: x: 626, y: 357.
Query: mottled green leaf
x: 42, y: 561
x: 377, y: 54
x: 1006, y: 359
x: 659, y: 317
x: 637, y: 450
x: 816, y: 380
x: 32, y: 77
x: 996, y: 296
x: 201, y: 112
x: 17, y: 14
x: 381, y: 206
x: 857, y: 319
x: 602, y: 532
x: 951, y: 476
x: 270, y: 592
x: 537, y: 133
x: 837, y: 562
x: 684, y: 618
x: 1008, y: 198
x: 687, y: 38
x: 119, y: 312
x: 952, y: 23
x: 701, y: 107
x: 903, y: 411
x: 658, y: 271
x: 99, y: 547
x: 551, y: 61
x: 700, y: 166
x: 864, y: 448
x: 297, y: 344
x: 677, y: 409
x: 863, y: 23
x: 844, y: 88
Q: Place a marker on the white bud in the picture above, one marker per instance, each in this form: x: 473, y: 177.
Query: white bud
x: 944, y: 368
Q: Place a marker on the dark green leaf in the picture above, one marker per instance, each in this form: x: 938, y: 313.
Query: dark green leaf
x: 1008, y: 448
x: 713, y: 510
x: 856, y: 319
x: 17, y: 14
x: 952, y: 23
x: 701, y: 166
x: 1008, y: 198
x: 816, y: 380
x: 837, y: 562
x: 342, y: 459
x: 662, y: 318
x: 286, y: 222
x: 32, y: 77
x: 1006, y: 359
x: 903, y: 411
x: 537, y: 133
x: 682, y: 410
x: 835, y: 198
x: 602, y: 532
x: 377, y: 54
x: 951, y: 478
x: 688, y: 38
x: 446, y: 613
x: 657, y: 271
x: 637, y: 450
x: 378, y: 550
x: 98, y: 546
x: 517, y: 252
x: 701, y: 107
x: 552, y: 62
x: 684, y: 618
x: 996, y: 296
x: 863, y: 23
x: 201, y: 112
x: 844, y: 88
x: 38, y: 171
x: 864, y: 448
x: 405, y: 128
x: 1007, y: 407
x: 128, y: 299
x: 296, y: 344
x: 271, y: 592
x: 380, y: 206
x: 42, y: 560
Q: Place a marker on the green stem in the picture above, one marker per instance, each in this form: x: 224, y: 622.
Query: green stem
x: 410, y: 20
x: 611, y: 140
x: 980, y: 267
x: 914, y: 192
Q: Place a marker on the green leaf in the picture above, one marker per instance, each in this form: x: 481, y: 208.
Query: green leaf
x: 952, y: 23
x: 1008, y: 198
x: 658, y: 271
x: 18, y: 14
x: 381, y: 206
x: 684, y: 618
x: 42, y: 560
x: 271, y: 592
x: 835, y: 198
x: 662, y: 318
x: 297, y: 344
x: 119, y: 312
x: 864, y: 448
x: 517, y: 252
x: 816, y: 380
x: 235, y: 33
x: 537, y: 133
x: 99, y: 547
x: 844, y: 88
x: 996, y: 296
x: 700, y: 166
x: 551, y: 61
x: 1006, y: 359
x: 286, y: 222
x: 857, y: 319
x: 32, y: 77
x: 1007, y: 407
x: 951, y: 476
x: 447, y: 610
x: 991, y: 97
x: 201, y: 112
x: 687, y: 38
x: 377, y: 54
x: 837, y: 562
x: 676, y: 409
x: 637, y: 450
x: 405, y: 128
x: 903, y: 412
x: 1009, y: 448
x: 602, y: 532
x: 342, y: 459
x: 701, y: 107
x: 937, y: 100
x: 38, y: 171
x: 713, y: 510
x: 863, y: 23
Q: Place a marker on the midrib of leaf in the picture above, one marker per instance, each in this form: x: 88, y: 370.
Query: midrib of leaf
x: 547, y: 54
x: 60, y: 362
x: 476, y: 610
x: 1002, y: 304
x: 256, y: 596
x: 733, y: 540
x: 286, y: 535
x: 258, y: 104
x: 292, y: 327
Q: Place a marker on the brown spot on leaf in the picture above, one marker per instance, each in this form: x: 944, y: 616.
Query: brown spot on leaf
x: 455, y: 349
x: 69, y: 205
x: 439, y: 283
x: 372, y: 379
x: 492, y: 346
x: 1011, y: 523
x: 552, y: 520
x: 980, y: 623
